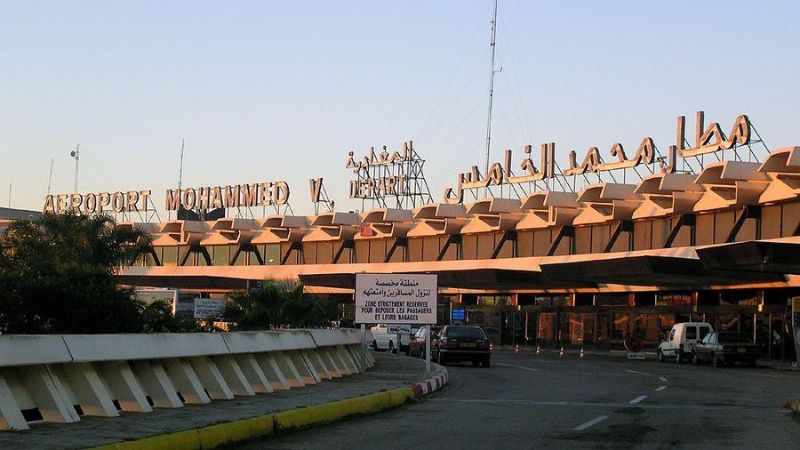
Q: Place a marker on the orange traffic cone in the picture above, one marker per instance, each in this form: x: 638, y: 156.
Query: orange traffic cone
x: 516, y: 349
x: 581, y: 355
x: 561, y: 353
x: 538, y: 350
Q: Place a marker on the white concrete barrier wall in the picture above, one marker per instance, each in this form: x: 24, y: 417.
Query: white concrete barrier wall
x: 59, y: 378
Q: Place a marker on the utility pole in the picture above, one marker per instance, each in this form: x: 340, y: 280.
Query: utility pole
x: 9, y: 196
x: 491, y: 96
x: 180, y: 178
x: 76, y: 154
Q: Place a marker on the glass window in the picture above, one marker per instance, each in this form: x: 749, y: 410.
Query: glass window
x: 465, y: 332
x: 691, y: 332
x: 672, y: 335
x: 704, y: 331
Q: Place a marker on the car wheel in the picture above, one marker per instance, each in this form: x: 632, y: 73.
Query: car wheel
x: 487, y: 362
x: 391, y: 347
x: 695, y: 359
x: 440, y: 358
x: 715, y: 360
x: 475, y: 363
x: 751, y: 363
x: 422, y: 353
x: 661, y: 357
x: 678, y: 357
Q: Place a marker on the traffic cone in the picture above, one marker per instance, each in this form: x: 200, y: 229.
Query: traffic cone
x: 538, y: 350
x: 516, y: 349
x: 561, y: 353
x: 581, y: 355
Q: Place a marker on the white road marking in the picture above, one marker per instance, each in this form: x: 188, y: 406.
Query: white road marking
x: 662, y: 379
x: 594, y: 421
x: 517, y: 367
x: 637, y: 372
x: 637, y: 400
x: 660, y: 388
x: 655, y: 406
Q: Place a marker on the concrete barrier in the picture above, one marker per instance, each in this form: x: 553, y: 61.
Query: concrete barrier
x: 59, y: 378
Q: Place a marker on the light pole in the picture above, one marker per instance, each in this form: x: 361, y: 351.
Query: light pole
x: 76, y: 154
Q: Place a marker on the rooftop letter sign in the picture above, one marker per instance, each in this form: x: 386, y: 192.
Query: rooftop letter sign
x: 97, y: 203
x: 708, y: 139
x: 396, y: 298
x: 270, y: 193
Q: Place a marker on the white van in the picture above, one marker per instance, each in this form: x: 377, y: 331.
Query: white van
x: 681, y: 340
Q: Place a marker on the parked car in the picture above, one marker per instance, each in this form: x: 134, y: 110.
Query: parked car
x: 383, y: 340
x: 462, y: 343
x: 417, y: 345
x: 405, y: 339
x: 725, y: 347
x: 682, y: 339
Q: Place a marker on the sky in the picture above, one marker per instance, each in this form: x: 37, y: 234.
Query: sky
x: 269, y: 90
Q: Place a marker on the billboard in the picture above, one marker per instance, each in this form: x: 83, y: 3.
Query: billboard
x: 396, y: 298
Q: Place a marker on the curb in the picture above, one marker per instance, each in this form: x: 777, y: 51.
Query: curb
x: 432, y: 384
x: 213, y: 436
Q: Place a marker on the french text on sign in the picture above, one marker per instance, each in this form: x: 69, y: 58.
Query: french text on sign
x: 396, y: 298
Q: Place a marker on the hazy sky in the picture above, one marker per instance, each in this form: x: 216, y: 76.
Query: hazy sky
x: 282, y: 90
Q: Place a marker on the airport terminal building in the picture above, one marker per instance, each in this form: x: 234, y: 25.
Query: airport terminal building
x: 583, y: 256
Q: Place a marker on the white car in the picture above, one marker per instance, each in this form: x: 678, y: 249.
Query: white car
x: 682, y: 339
x: 383, y: 340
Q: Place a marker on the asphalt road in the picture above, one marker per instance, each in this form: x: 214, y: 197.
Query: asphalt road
x: 524, y: 401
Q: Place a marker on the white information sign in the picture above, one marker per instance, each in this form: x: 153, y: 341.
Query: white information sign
x: 399, y: 329
x: 208, y: 308
x: 396, y: 298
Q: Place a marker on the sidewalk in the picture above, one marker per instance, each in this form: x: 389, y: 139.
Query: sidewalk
x: 392, y: 381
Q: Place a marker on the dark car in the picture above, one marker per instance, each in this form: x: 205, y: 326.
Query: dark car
x: 725, y: 347
x: 462, y: 343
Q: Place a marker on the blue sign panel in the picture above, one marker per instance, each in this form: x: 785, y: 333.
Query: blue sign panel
x: 459, y: 314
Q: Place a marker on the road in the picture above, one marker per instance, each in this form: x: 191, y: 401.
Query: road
x: 526, y: 401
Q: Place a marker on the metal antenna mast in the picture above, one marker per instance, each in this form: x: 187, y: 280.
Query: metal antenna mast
x: 491, y: 93
x: 77, y: 155
x: 180, y: 170
x: 50, y: 178
x: 180, y: 175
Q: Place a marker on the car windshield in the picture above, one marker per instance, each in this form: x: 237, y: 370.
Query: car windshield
x: 465, y: 332
x: 732, y: 337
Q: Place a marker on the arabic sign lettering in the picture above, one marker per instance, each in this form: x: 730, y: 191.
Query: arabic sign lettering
x: 708, y: 139
x: 396, y: 298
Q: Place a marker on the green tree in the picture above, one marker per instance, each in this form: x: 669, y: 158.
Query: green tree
x: 277, y: 304
x: 57, y: 275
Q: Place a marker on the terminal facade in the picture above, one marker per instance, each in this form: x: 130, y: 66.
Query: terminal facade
x: 709, y: 232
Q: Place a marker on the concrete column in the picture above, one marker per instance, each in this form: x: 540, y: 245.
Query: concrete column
x: 272, y: 371
x: 89, y: 390
x: 186, y: 381
x: 10, y: 414
x: 334, y: 363
x: 304, y: 365
x: 157, y: 384
x: 233, y: 375
x: 253, y: 373
x: 211, y: 378
x: 289, y: 370
x: 48, y: 393
x: 348, y: 361
x: 124, y: 386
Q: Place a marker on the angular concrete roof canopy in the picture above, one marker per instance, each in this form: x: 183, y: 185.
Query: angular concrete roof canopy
x: 333, y: 226
x: 783, y: 165
x: 604, y: 202
x: 667, y: 194
x: 730, y: 183
x: 277, y: 229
